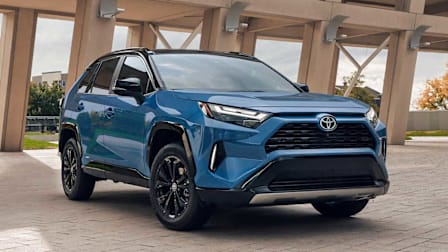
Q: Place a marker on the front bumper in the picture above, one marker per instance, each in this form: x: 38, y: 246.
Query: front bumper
x: 240, y: 198
x: 244, y: 149
x: 306, y: 180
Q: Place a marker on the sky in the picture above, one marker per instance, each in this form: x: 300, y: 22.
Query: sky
x: 53, y: 41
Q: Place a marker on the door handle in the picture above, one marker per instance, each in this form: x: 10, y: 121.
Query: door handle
x: 80, y: 106
x: 109, y: 113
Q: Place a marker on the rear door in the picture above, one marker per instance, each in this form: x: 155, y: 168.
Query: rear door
x: 124, y: 135
x: 82, y: 110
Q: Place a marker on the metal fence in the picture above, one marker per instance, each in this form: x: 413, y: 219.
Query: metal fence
x: 428, y: 120
x: 42, y: 123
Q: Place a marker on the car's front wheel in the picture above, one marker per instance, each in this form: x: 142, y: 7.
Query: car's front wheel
x: 340, y: 209
x: 172, y: 190
x: 77, y: 185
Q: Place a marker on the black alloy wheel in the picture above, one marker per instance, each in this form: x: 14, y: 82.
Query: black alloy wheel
x: 172, y: 187
x: 77, y: 185
x: 172, y: 190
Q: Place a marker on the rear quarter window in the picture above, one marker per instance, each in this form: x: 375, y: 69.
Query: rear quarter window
x: 104, y: 76
x: 87, y: 80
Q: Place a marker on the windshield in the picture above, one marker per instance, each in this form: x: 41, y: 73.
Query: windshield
x: 218, y: 72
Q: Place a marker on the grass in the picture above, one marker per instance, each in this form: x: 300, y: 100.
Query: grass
x: 31, y: 144
x: 37, y: 133
x: 427, y: 133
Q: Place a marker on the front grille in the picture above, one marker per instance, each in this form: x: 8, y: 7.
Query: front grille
x: 321, y: 183
x: 309, y: 136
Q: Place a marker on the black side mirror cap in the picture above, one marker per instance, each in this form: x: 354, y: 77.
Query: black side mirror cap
x: 303, y: 87
x: 129, y: 83
x: 139, y: 97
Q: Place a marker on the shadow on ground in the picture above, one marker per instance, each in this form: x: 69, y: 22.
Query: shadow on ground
x: 238, y: 224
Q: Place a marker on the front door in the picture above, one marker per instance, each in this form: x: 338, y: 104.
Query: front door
x: 124, y: 135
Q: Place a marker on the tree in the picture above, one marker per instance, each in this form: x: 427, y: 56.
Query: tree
x: 435, y: 94
x: 44, y: 99
x: 358, y: 91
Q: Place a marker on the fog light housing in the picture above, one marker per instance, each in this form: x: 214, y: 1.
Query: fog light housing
x: 217, y: 156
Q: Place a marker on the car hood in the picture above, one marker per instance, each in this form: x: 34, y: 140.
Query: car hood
x: 278, y: 102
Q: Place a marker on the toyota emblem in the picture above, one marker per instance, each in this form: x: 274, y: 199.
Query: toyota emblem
x: 328, y: 123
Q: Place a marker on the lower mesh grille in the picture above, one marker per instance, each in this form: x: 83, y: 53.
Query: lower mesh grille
x: 321, y: 183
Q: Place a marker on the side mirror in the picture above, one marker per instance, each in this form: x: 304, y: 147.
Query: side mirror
x: 303, y: 87
x: 131, y: 84
x: 129, y: 87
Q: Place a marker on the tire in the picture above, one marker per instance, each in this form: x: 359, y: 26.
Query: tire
x: 174, y: 198
x: 77, y: 185
x: 341, y: 209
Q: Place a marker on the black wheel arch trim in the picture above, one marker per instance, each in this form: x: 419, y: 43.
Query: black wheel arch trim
x: 73, y: 128
x: 167, y: 125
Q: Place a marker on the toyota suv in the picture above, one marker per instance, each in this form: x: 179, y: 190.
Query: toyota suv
x: 207, y: 129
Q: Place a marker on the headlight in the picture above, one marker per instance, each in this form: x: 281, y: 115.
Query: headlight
x: 372, y: 117
x: 243, y: 117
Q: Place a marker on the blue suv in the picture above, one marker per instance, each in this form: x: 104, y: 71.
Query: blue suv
x: 207, y: 129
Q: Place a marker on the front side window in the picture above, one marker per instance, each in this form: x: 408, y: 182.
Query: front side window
x: 88, y: 77
x: 104, y: 76
x: 133, y: 75
x: 219, y: 72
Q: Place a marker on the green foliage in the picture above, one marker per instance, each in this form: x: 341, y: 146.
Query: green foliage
x: 348, y: 79
x: 44, y: 99
x: 358, y: 92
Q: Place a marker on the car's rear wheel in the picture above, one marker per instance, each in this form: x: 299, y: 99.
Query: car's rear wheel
x: 77, y: 185
x: 173, y: 194
x: 340, y: 209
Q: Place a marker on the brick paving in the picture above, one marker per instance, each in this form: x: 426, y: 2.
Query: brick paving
x: 35, y: 215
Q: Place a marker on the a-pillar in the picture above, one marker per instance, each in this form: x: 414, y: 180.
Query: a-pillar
x: 16, y: 49
x: 213, y: 35
x: 92, y: 37
x: 141, y: 36
x: 398, y: 79
x: 318, y: 60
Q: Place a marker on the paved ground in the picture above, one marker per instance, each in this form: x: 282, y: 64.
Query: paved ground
x: 35, y: 216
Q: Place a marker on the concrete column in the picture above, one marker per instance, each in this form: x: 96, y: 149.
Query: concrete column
x: 248, y: 41
x: 213, y: 36
x: 399, y: 77
x: 92, y: 37
x: 16, y: 46
x: 397, y: 88
x: 413, y: 6
x: 141, y: 36
x: 319, y: 59
x: 134, y: 36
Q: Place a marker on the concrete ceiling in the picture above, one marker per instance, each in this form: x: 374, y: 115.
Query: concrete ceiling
x: 432, y: 7
x: 186, y: 15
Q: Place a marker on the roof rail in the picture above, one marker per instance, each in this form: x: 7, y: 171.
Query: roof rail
x: 242, y: 54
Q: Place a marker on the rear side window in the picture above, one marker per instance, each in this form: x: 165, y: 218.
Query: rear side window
x: 104, y: 76
x: 88, y: 77
x: 134, y: 68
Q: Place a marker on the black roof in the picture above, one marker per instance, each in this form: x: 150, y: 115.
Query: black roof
x: 176, y: 51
